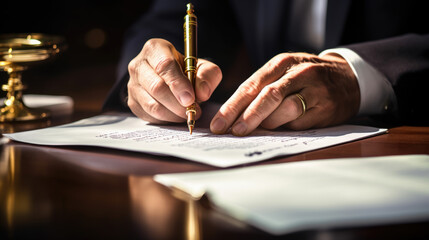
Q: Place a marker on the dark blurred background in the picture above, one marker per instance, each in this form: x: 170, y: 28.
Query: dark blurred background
x: 94, y: 31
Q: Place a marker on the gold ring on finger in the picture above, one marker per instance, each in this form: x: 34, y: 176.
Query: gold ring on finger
x: 304, y: 105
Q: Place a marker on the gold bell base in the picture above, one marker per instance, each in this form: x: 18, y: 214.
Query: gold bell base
x: 18, y: 112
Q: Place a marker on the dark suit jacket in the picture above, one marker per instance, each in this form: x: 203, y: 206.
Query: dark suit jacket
x: 392, y: 35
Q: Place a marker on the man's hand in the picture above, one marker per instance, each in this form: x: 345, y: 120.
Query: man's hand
x: 159, y: 91
x: 268, y: 98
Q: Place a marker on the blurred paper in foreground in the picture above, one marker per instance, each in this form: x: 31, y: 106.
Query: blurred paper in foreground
x: 289, y: 197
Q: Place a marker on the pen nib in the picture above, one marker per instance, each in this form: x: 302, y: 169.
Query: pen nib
x: 191, y: 128
x: 191, y: 123
x: 190, y: 112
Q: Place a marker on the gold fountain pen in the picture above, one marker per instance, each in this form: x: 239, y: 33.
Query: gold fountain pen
x: 190, y: 38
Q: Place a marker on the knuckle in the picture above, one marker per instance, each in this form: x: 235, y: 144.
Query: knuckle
x: 130, y: 85
x: 131, y: 104
x: 131, y: 89
x: 210, y: 71
x: 157, y: 88
x: 249, y: 88
x: 280, y: 61
x: 172, y: 86
x: 165, y: 65
x: 132, y: 65
x: 272, y: 94
x: 148, y: 47
x: 151, y: 44
x: 274, y: 64
x: 230, y: 110
x: 153, y: 108
x: 142, y: 111
x: 137, y: 66
x: 216, y: 71
x: 283, y: 58
x: 256, y: 113
x: 313, y: 67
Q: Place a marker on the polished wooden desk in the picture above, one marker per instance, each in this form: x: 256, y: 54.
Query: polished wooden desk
x: 82, y: 192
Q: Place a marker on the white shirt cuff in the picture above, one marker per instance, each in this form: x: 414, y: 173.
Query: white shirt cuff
x: 376, y: 92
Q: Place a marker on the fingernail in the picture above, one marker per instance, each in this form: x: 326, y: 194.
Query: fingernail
x: 218, y: 125
x: 185, y: 99
x: 239, y: 129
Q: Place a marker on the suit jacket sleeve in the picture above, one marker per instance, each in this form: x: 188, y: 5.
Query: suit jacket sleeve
x: 404, y: 60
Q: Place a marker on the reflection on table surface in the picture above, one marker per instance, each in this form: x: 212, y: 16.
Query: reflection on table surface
x: 83, y: 192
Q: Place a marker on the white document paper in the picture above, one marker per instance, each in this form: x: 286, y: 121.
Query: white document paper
x: 131, y: 133
x: 288, y: 197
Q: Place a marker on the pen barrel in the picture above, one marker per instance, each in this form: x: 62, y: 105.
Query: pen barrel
x: 190, y: 38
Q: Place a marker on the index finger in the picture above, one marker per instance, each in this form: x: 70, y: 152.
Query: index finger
x: 248, y: 91
x: 167, y: 63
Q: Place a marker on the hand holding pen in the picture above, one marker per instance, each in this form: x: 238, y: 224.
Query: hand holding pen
x: 158, y: 89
